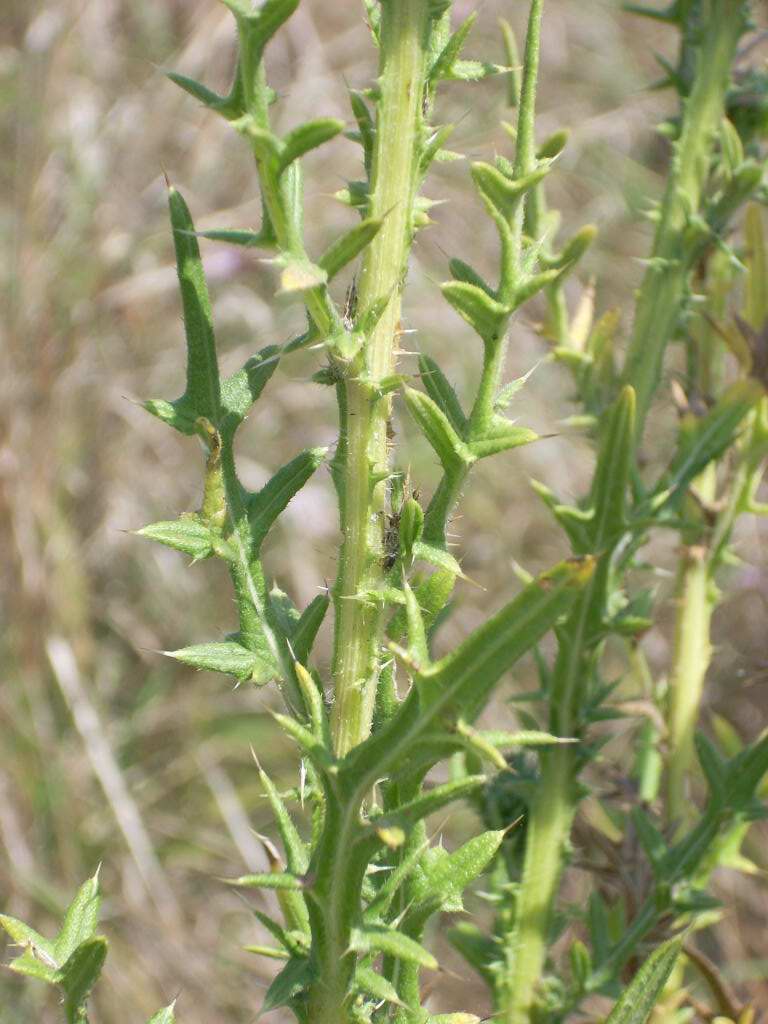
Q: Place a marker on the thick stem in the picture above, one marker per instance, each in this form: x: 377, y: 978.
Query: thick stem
x: 692, y: 654
x: 549, y: 826
x: 365, y: 465
x: 663, y: 290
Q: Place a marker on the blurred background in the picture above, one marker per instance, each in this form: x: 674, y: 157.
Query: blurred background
x: 110, y: 753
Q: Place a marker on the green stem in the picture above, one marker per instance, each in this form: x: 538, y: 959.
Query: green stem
x: 692, y: 655
x: 549, y: 826
x: 664, y: 286
x: 365, y: 458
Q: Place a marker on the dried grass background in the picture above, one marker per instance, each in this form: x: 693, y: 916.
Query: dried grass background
x: 108, y: 752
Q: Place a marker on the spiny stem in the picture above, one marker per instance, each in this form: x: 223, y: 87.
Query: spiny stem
x: 662, y: 293
x: 365, y: 459
x: 692, y: 655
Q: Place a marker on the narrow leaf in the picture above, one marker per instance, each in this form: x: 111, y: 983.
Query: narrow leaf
x: 306, y: 137
x: 306, y: 629
x: 637, y: 1002
x: 79, y: 974
x: 272, y: 499
x: 349, y: 246
x: 483, y: 313
x: 268, y: 880
x: 442, y: 393
x: 228, y: 657
x: 373, y: 984
x: 187, y: 534
x: 165, y: 1016
x: 202, y: 390
x: 378, y: 939
x: 437, y: 429
x: 297, y: 856
x: 80, y: 920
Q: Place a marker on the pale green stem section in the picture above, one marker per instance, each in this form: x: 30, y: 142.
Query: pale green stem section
x: 365, y: 464
x: 662, y: 293
x: 691, y: 658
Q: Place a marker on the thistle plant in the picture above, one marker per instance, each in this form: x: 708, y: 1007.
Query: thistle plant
x: 357, y: 889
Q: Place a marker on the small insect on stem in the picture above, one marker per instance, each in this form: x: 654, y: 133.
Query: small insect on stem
x: 350, y: 306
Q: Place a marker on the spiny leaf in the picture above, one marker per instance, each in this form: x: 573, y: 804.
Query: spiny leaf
x: 247, y: 239
x: 378, y: 939
x: 373, y: 984
x: 25, y: 936
x: 268, y: 880
x: 299, y: 275
x: 80, y: 920
x: 444, y: 881
x: 637, y: 1002
x: 242, y: 389
x: 483, y: 313
x: 609, y: 488
x: 306, y: 629
x: 32, y: 966
x: 79, y: 974
x: 258, y: 26
x: 436, y: 427
x: 306, y: 137
x: 165, y: 1016
x: 502, y: 436
x: 294, y: 978
x: 349, y: 246
x: 202, y: 391
x: 436, y: 556
x: 297, y: 856
x: 504, y: 193
x: 442, y: 393
x: 229, y: 657
x: 229, y: 107
x: 431, y: 801
x: 264, y: 507
x: 189, y: 535
x: 445, y: 61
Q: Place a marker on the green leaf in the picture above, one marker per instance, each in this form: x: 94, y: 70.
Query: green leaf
x: 461, y: 680
x: 349, y: 246
x: 242, y: 389
x: 378, y: 939
x: 714, y: 767
x: 454, y: 1018
x: 502, y: 436
x: 436, y: 427
x: 637, y: 1002
x: 710, y: 437
x: 433, y: 800
x: 484, y: 314
x: 294, y: 978
x: 608, y: 496
x: 202, y: 392
x: 188, y: 534
x: 229, y: 107
x: 80, y: 920
x: 165, y: 1016
x: 463, y: 272
x: 373, y: 984
x: 442, y: 393
x: 306, y: 137
x: 32, y: 966
x: 25, y: 936
x: 246, y: 239
x: 268, y: 880
x: 443, y: 65
x: 258, y: 26
x: 436, y: 556
x: 449, y: 876
x: 504, y: 193
x: 79, y: 974
x: 228, y: 657
x: 296, y: 853
x: 306, y: 629
x: 411, y: 528
x: 264, y: 507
